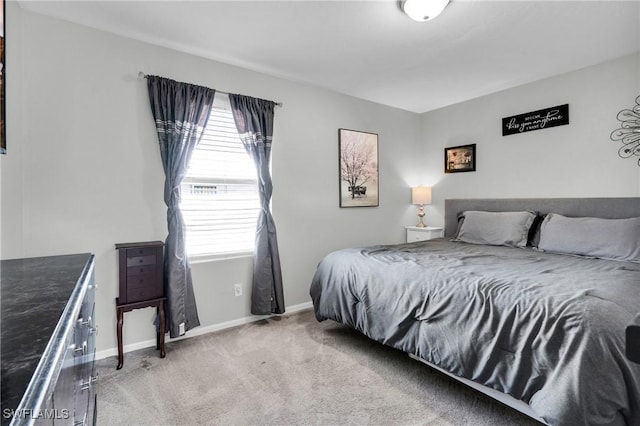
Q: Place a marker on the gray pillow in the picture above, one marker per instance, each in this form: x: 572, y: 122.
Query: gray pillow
x: 496, y: 228
x: 614, y: 239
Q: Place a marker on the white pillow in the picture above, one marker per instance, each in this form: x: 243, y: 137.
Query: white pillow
x: 614, y: 239
x: 496, y: 228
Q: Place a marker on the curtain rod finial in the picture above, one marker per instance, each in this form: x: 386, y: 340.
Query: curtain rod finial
x: 141, y: 75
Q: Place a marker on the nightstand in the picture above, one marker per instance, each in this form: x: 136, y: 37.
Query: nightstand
x: 141, y: 285
x: 423, y: 234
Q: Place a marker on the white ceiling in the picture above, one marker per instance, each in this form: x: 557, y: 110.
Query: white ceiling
x: 370, y: 49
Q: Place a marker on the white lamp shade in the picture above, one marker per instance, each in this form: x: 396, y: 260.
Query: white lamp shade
x: 423, y: 10
x: 421, y: 195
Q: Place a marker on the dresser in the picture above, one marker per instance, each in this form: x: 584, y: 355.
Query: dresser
x: 48, y: 340
x: 141, y: 285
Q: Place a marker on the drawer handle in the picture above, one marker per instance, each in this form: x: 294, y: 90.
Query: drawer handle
x: 87, y: 385
x: 82, y: 349
x: 93, y: 330
x: 87, y: 322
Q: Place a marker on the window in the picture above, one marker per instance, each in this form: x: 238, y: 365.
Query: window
x: 220, y: 201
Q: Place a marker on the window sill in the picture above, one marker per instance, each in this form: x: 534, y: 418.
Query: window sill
x: 206, y: 258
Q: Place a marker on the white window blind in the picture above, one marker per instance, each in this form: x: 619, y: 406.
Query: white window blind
x: 220, y: 202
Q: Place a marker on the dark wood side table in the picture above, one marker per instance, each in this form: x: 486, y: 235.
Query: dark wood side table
x: 141, y: 286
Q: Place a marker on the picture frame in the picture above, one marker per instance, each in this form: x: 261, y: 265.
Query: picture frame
x: 358, y: 168
x: 3, y: 104
x: 459, y: 159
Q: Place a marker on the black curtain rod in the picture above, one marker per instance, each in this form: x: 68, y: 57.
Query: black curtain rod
x: 143, y: 75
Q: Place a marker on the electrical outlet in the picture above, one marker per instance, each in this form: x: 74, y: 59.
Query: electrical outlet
x: 237, y: 289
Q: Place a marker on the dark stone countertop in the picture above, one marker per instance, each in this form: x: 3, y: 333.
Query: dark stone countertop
x: 34, y: 293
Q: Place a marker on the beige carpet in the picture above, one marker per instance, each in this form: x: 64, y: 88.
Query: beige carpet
x: 290, y: 370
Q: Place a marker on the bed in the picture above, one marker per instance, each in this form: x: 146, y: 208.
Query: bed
x: 526, y: 300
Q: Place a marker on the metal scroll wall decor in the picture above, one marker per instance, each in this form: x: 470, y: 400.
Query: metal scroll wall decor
x: 629, y: 132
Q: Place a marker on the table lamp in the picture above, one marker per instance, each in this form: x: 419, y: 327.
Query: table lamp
x: 421, y: 195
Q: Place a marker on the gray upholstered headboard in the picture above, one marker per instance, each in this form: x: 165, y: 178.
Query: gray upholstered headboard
x: 608, y: 208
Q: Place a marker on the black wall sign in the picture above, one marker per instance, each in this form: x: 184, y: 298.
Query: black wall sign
x: 536, y: 120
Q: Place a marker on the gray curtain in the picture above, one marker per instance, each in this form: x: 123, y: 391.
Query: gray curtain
x: 254, y: 122
x: 181, y: 112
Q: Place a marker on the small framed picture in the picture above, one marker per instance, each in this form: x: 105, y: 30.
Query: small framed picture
x: 460, y: 159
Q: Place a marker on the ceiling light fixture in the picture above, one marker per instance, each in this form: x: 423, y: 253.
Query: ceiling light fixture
x: 423, y: 10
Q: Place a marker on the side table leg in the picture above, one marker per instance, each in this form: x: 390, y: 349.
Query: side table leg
x: 158, y: 332
x: 161, y: 309
x: 120, y: 351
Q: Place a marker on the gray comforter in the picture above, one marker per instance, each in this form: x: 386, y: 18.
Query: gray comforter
x: 546, y: 329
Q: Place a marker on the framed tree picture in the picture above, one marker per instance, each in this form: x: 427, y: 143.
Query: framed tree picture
x: 460, y: 159
x: 358, y: 152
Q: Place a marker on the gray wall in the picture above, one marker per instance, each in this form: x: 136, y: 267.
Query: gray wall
x: 575, y: 160
x: 83, y: 170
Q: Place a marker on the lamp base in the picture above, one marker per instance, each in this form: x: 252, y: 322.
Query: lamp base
x: 421, y: 215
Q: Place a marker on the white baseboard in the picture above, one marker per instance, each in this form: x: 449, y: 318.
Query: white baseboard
x: 201, y: 330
